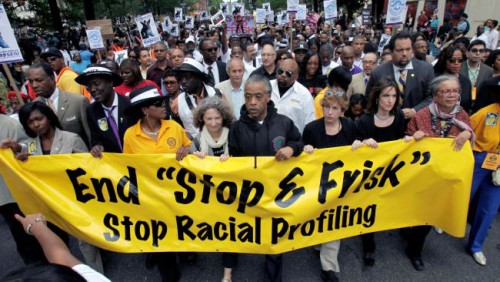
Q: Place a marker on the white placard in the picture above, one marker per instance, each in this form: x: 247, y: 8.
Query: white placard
x: 283, y: 17
x: 178, y: 14
x: 291, y: 5
x: 9, y: 50
x: 166, y: 23
x: 189, y: 23
x: 218, y: 18
x: 384, y: 40
x: 120, y: 56
x: 224, y: 8
x: 267, y: 7
x: 238, y: 8
x: 396, y: 12
x: 301, y: 12
x: 147, y: 28
x: 203, y: 15
x: 173, y: 30
x: 95, y: 38
x: 261, y: 16
x: 270, y: 16
x: 330, y: 9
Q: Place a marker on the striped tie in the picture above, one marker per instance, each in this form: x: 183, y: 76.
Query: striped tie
x: 402, y: 84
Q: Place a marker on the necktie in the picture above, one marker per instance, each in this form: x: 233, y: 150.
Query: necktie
x: 50, y: 103
x: 402, y: 84
x: 366, y: 81
x: 211, y: 74
x: 113, y: 124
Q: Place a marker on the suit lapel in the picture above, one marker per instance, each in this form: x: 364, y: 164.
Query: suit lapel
x: 410, y: 80
x: 62, y: 105
x: 57, y: 143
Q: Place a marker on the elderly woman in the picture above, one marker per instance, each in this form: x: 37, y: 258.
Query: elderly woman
x: 450, y: 62
x: 332, y: 130
x: 484, y: 193
x: 152, y: 134
x: 213, y: 118
x: 132, y: 78
x: 443, y: 118
x: 383, y: 122
x: 47, y: 138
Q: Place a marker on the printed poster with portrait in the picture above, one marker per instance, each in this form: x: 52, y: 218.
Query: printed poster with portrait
x: 283, y: 17
x: 301, y: 12
x: 189, y: 23
x: 9, y: 50
x: 203, y: 15
x: 218, y: 18
x: 261, y: 16
x: 147, y: 28
x: 330, y: 9
x: 178, y: 14
x: 120, y: 56
x: 396, y: 12
x: 166, y: 23
x: 291, y: 5
x: 95, y: 38
x: 238, y: 9
x: 224, y: 8
x: 173, y: 30
x: 267, y: 7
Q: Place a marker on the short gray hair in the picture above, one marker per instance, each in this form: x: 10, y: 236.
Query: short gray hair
x: 258, y: 78
x: 434, y: 85
x: 216, y: 103
x: 228, y: 64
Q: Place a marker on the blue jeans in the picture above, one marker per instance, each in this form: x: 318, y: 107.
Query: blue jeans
x: 488, y: 202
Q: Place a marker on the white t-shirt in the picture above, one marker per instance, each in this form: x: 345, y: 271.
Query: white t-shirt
x: 89, y: 274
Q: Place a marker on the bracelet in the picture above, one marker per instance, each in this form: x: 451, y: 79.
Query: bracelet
x: 28, y: 228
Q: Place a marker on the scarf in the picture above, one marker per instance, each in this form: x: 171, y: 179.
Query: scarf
x: 206, y: 140
x: 434, y: 109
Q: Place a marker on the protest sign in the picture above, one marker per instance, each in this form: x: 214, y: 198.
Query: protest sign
x: 283, y: 17
x: 261, y: 16
x: 174, y: 30
x: 152, y: 203
x: 384, y: 40
x: 330, y: 9
x: 189, y: 23
x: 218, y: 18
x: 238, y: 9
x: 105, y: 25
x: 9, y: 49
x: 224, y: 8
x: 120, y: 56
x: 267, y: 7
x: 396, y: 12
x: 301, y: 12
x: 147, y: 28
x: 291, y: 5
x: 95, y: 38
x: 178, y: 14
x: 203, y: 15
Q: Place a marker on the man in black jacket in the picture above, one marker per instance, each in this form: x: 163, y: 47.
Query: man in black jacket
x: 105, y: 116
x: 261, y: 131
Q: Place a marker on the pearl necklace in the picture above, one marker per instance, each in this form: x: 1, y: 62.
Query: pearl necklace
x: 151, y: 133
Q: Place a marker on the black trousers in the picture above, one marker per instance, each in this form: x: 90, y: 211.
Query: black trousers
x: 27, y: 246
x: 368, y: 242
x: 167, y: 266
x: 416, y: 239
x: 229, y: 260
x: 274, y: 268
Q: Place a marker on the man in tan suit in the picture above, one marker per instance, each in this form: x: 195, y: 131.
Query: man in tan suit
x: 70, y: 108
x: 359, y: 81
x: 232, y: 89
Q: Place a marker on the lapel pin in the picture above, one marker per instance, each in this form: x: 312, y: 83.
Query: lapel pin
x: 62, y: 108
x: 412, y: 75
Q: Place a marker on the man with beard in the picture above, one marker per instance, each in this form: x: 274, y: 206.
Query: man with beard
x: 195, y: 83
x: 420, y: 48
x: 412, y: 76
x: 155, y: 72
x: 359, y: 81
x: 290, y: 97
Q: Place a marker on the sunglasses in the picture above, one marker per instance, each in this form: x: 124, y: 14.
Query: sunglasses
x: 159, y: 50
x: 159, y: 103
x: 210, y: 50
x: 169, y: 82
x: 288, y: 73
x: 338, y: 93
x: 454, y: 61
x: 52, y: 58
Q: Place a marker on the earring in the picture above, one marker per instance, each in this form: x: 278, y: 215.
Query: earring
x: 376, y: 101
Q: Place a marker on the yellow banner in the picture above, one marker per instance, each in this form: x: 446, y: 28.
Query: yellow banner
x: 150, y: 203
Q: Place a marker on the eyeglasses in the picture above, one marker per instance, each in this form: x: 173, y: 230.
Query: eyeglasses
x: 268, y: 55
x: 475, y: 50
x: 169, y: 82
x: 450, y: 90
x: 337, y: 92
x: 210, y: 50
x: 454, y: 61
x: 288, y: 73
x: 159, y: 50
x: 159, y: 103
x: 52, y: 58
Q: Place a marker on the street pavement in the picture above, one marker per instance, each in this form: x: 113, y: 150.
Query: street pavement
x: 444, y: 256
